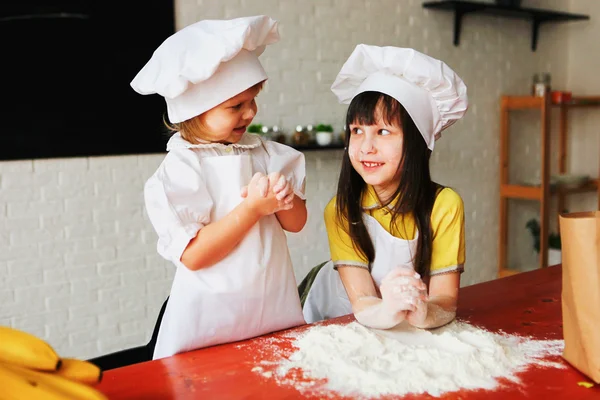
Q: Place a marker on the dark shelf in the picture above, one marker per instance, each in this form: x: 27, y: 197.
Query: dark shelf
x: 309, y: 147
x: 535, y: 15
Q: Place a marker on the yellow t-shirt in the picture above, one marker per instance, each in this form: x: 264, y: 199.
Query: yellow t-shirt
x: 447, y: 224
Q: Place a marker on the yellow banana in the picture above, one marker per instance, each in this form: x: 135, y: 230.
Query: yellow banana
x: 16, y: 386
x: 80, y: 370
x: 21, y: 348
x: 52, y: 384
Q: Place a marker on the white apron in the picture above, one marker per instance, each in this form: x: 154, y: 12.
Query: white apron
x: 327, y: 297
x: 251, y: 292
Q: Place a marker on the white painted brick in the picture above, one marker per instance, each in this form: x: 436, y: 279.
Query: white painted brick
x: 131, y: 223
x: 113, y: 319
x: 7, y: 296
x: 83, y: 205
x: 26, y: 279
x: 82, y: 350
x: 26, y: 209
x: 4, y: 238
x: 75, y: 178
x: 7, y: 167
x: 66, y: 191
x: 131, y: 213
x: 38, y: 322
x: 22, y: 238
x: 124, y: 200
x: 102, y: 188
x: 83, y: 272
x: 139, y: 250
x: 60, y: 164
x: 20, y: 194
x: 98, y: 174
x: 92, y: 286
x: 17, y: 180
x: 58, y: 339
x: 97, y: 309
x: 157, y: 262
x: 158, y: 287
x: 81, y: 324
x: 127, y: 239
x: 65, y: 247
x: 121, y: 293
x: 55, y: 276
x: 112, y: 162
x: 93, y: 256
x: 17, y: 253
x: 114, y: 267
x: 149, y: 237
x: 22, y: 308
x: 116, y: 343
x: 131, y: 326
x: 131, y: 278
x: 92, y: 230
x: 89, y: 336
x: 45, y: 291
x: 30, y: 265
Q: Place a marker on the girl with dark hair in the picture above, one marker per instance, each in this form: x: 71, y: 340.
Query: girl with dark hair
x: 396, y: 237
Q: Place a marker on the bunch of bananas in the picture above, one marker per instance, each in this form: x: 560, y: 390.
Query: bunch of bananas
x: 31, y: 369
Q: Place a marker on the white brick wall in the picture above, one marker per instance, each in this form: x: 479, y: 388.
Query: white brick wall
x: 78, y: 264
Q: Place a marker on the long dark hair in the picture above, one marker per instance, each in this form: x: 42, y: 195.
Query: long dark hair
x: 416, y: 192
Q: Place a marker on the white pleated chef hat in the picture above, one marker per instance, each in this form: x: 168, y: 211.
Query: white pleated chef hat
x: 207, y: 63
x: 430, y: 91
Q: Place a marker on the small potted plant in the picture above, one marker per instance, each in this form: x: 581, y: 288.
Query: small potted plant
x: 554, y: 245
x: 324, y: 135
x: 255, y: 128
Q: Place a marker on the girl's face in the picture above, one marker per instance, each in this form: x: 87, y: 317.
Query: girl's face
x: 375, y: 152
x: 227, y: 122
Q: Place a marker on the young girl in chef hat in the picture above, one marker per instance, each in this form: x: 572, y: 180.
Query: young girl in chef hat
x: 396, y: 237
x: 222, y: 198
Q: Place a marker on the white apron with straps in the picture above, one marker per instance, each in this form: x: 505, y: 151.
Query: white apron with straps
x: 252, y: 291
x: 327, y: 297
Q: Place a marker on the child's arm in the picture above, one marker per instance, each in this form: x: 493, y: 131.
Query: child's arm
x: 389, y: 310
x: 440, y: 309
x: 294, y: 219
x: 448, y: 251
x: 216, y: 240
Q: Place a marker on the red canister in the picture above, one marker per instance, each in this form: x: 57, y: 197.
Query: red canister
x: 559, y: 97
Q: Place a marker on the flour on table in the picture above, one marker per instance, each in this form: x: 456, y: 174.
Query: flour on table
x: 354, y: 360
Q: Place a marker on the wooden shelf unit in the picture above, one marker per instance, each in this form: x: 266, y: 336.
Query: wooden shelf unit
x: 544, y: 191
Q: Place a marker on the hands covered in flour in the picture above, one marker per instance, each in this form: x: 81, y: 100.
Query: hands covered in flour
x: 404, y: 294
x: 269, y: 194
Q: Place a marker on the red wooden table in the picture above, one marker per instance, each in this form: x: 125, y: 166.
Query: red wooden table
x: 527, y: 304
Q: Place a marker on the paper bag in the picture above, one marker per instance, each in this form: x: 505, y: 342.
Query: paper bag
x: 580, y: 238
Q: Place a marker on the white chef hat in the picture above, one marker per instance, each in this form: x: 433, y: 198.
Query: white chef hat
x: 207, y: 63
x: 432, y: 94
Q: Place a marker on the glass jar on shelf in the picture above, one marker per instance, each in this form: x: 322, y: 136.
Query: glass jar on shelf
x: 312, y: 134
x: 267, y: 133
x: 541, y: 84
x: 301, y: 137
x: 278, y: 134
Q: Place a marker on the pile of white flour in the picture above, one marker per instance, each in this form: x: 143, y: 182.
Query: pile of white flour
x: 358, y: 361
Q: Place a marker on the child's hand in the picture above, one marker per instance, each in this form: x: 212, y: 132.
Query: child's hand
x: 418, y: 316
x: 282, y: 188
x: 261, y: 197
x: 401, y: 290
